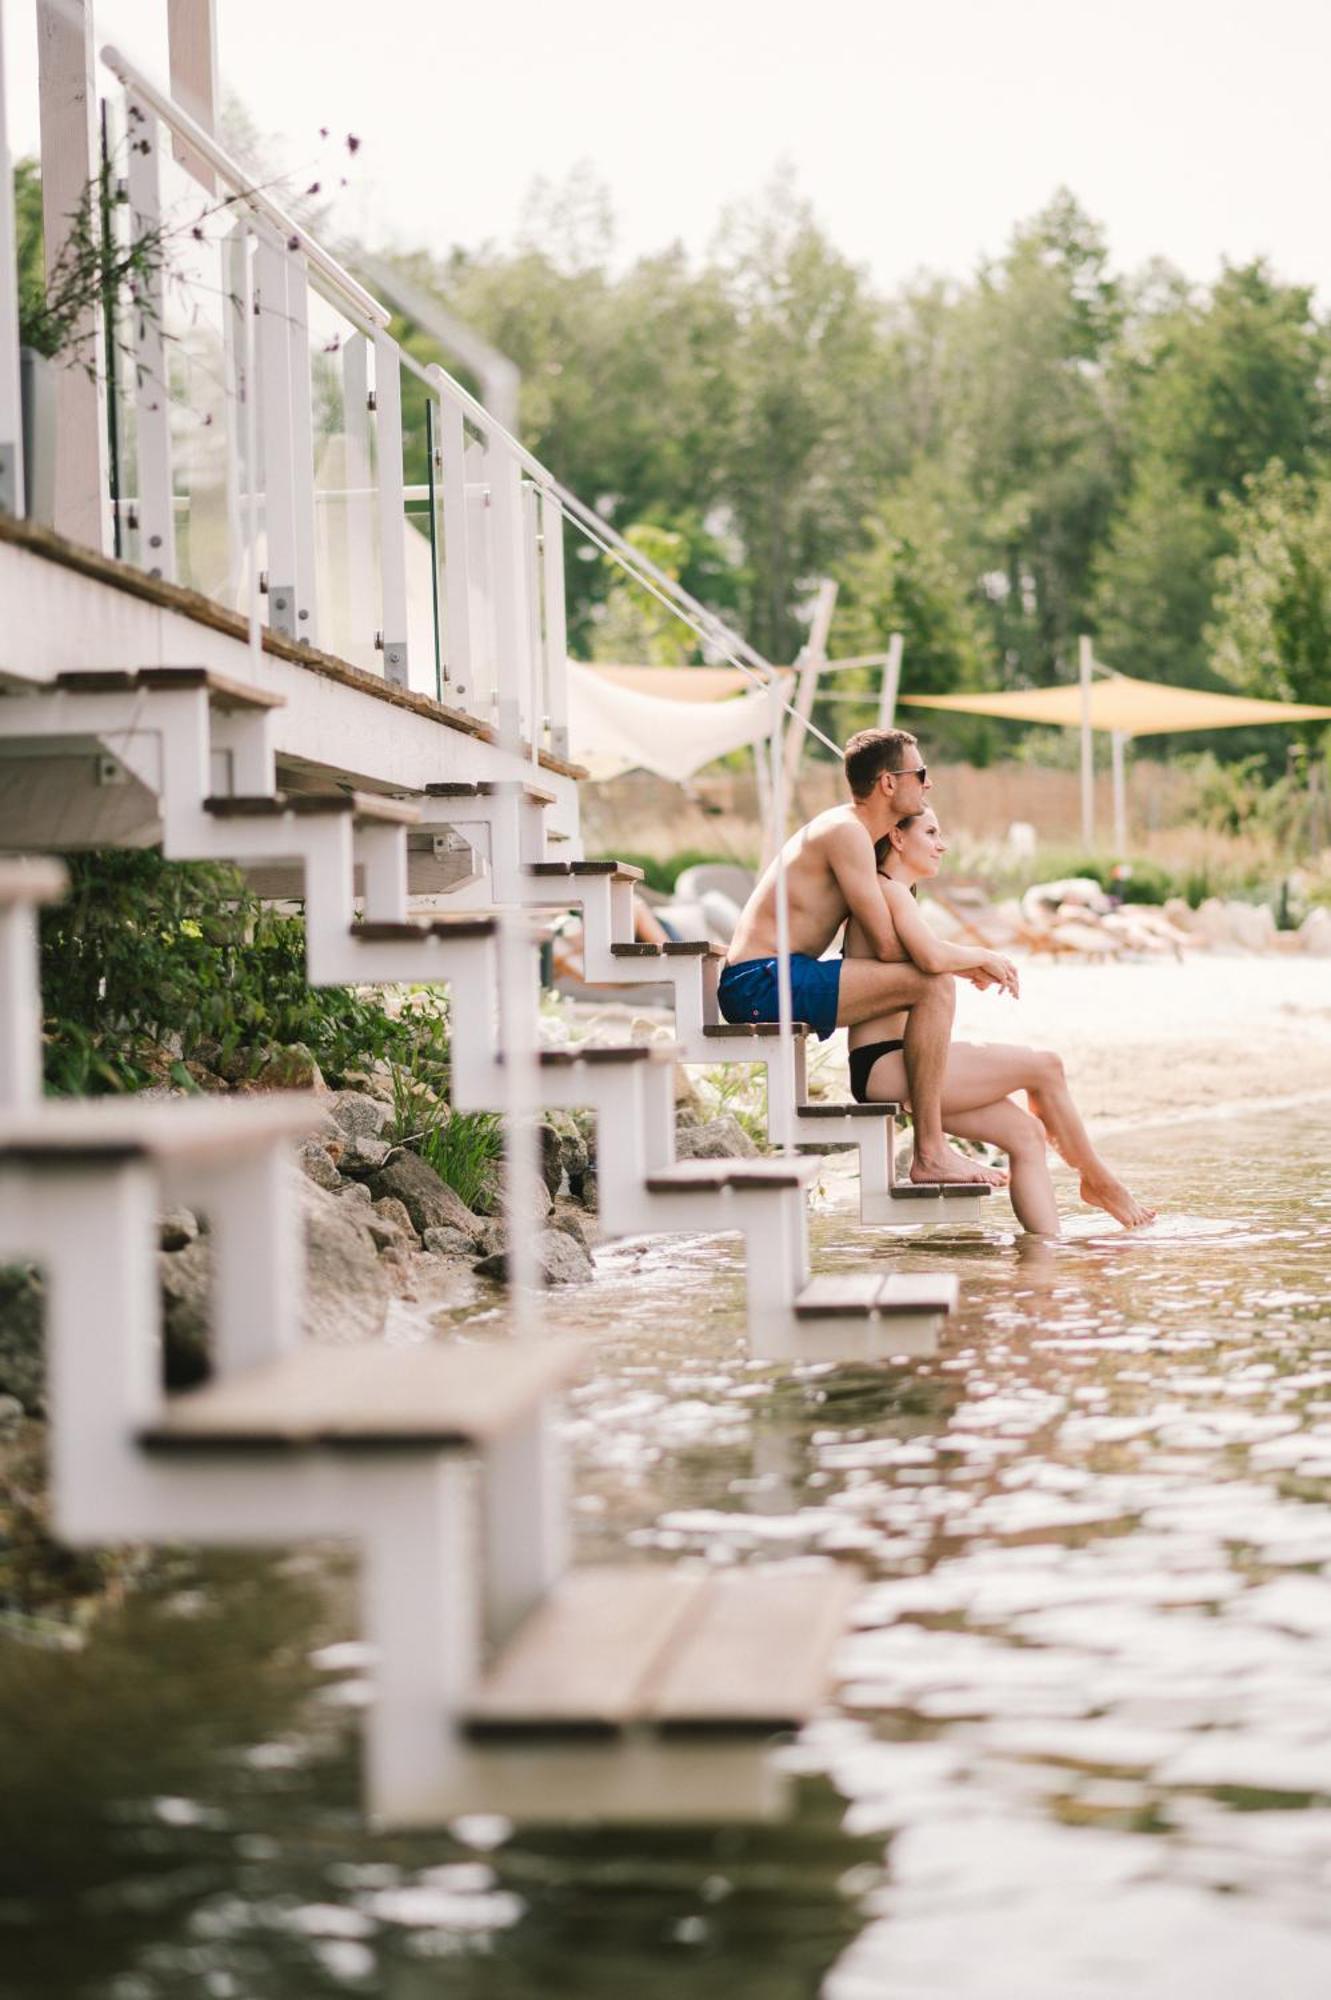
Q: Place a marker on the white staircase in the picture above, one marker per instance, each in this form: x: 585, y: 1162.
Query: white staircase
x: 441, y: 1464
x: 204, y: 746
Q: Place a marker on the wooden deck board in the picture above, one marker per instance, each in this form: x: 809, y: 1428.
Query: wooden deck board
x: 756, y: 1654
x: 369, y: 1395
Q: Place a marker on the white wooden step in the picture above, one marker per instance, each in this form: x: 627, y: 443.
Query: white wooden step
x: 875, y: 1294
x: 943, y: 1192
x: 418, y: 931
x: 739, y: 1176
x: 534, y: 794
x: 224, y: 693
x: 571, y: 873
x: 111, y: 1128
x: 26, y: 879
x: 737, y: 1033
x: 364, y: 808
x: 369, y: 1396
x: 744, y: 1652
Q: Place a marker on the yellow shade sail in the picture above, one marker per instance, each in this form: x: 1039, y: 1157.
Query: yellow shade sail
x: 1127, y: 707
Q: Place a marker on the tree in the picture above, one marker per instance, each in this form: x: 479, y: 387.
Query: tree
x: 1151, y: 590
x: 1271, y: 634
x: 908, y: 578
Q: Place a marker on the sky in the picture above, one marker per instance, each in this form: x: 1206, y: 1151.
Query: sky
x: 1191, y: 129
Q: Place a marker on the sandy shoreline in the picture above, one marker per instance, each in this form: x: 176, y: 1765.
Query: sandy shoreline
x: 1149, y: 1041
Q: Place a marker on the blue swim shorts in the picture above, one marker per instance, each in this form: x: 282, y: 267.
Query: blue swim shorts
x: 747, y: 992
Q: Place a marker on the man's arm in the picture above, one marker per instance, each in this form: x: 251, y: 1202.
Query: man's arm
x: 850, y: 858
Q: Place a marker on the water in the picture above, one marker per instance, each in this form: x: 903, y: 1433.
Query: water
x: 1085, y: 1744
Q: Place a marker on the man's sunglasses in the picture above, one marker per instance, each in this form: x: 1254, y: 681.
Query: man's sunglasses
x: 920, y: 771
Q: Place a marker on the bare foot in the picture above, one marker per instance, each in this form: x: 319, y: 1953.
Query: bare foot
x: 949, y: 1168
x: 1115, y: 1200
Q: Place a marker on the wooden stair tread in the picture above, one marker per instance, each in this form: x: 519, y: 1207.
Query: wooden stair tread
x: 703, y: 1176
x: 692, y: 948
x: 618, y: 871
x: 939, y: 1190
x: 369, y: 1395
x: 743, y: 1652
x: 864, y: 1294
x: 584, y: 1657
x: 622, y: 1052
x: 722, y: 1031
x: 847, y: 1110
x: 463, y: 924
x: 635, y: 951
x: 112, y: 1128
x: 488, y: 789
x: 224, y: 693
x: 31, y: 878
x: 364, y: 807
x: 756, y: 1653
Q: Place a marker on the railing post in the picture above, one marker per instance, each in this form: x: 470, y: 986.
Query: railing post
x: 157, y: 526
x: 274, y: 356
x: 11, y: 402
x: 531, y: 562
x: 556, y: 622
x: 457, y: 636
x: 302, y: 444
x: 359, y: 518
x: 392, y: 506
x: 508, y: 581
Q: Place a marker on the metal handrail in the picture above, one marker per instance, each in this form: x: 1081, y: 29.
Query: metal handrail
x: 255, y: 199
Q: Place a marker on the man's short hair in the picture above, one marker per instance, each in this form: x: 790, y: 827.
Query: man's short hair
x: 870, y: 752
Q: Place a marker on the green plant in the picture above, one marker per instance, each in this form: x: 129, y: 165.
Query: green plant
x: 62, y: 314
x: 463, y: 1149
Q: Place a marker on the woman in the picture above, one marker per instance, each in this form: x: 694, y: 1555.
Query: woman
x: 977, y: 1102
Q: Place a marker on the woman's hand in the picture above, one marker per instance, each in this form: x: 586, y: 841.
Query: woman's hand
x: 1000, y: 971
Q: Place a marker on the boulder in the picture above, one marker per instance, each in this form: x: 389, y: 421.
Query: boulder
x: 177, y: 1228
x: 721, y: 1138
x: 22, y: 1358
x: 11, y: 1417
x: 393, y: 1215
x: 1315, y: 932
x: 291, y: 1068
x: 570, y: 1221
x: 490, y: 1200
x: 346, y: 1291
x: 362, y: 1156
x: 358, y: 1115
x: 428, y: 1200
x: 317, y: 1163
x: 451, y: 1243
x: 355, y: 1194
x: 560, y: 1261
x: 184, y: 1276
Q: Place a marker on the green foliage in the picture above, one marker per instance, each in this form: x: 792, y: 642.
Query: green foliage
x: 1271, y: 634
x: 145, y: 953
x: 463, y: 1150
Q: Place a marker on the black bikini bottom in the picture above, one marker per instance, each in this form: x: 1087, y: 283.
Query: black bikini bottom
x: 862, y: 1061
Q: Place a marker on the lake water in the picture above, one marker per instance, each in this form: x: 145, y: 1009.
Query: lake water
x: 1085, y: 1740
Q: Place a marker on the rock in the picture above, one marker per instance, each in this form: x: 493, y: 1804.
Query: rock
x: 346, y: 1291
x: 22, y: 1356
x: 490, y: 1200
x: 560, y: 1261
x: 363, y: 1156
x: 184, y: 1277
x: 429, y: 1201
x: 354, y: 1194
x: 1315, y: 932
x: 552, y: 1160
x: 176, y: 1229
x: 572, y: 1224
x: 377, y: 1081
x: 588, y: 1192
x: 359, y: 1115
x: 11, y: 1416
x: 451, y: 1243
x: 722, y: 1138
x: 291, y: 1068
x: 394, y: 1215
x: 573, y: 1149
x: 317, y: 1163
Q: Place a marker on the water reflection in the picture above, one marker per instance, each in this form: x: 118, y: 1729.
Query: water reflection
x: 1086, y: 1706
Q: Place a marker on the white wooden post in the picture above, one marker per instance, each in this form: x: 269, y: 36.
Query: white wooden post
x: 1118, y: 744
x: 812, y: 660
x: 1084, y: 662
x: 157, y: 528
x: 359, y: 516
x: 532, y: 570
x: 508, y: 584
x: 891, y: 683
x: 392, y: 506
x: 457, y: 638
x: 11, y: 402
x: 192, y: 39
x: 556, y: 622
x: 70, y: 167
x: 302, y: 445
x: 274, y: 353
x: 20, y: 1007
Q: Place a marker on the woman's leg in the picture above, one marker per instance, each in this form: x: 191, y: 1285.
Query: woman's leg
x: 887, y: 1083
x: 1022, y: 1138
x: 978, y: 1076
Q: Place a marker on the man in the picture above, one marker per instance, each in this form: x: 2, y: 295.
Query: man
x: 831, y: 874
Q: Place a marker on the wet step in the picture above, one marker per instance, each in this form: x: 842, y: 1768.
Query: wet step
x: 369, y: 1397
x: 655, y: 1693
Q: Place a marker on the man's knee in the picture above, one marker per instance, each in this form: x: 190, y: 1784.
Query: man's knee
x: 938, y: 990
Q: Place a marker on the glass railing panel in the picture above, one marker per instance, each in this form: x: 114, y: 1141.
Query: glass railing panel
x: 346, y: 487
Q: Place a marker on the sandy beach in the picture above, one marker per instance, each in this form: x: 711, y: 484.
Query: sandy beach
x: 1153, y: 1041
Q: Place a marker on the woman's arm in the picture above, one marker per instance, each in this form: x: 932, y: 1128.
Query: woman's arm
x: 934, y: 954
